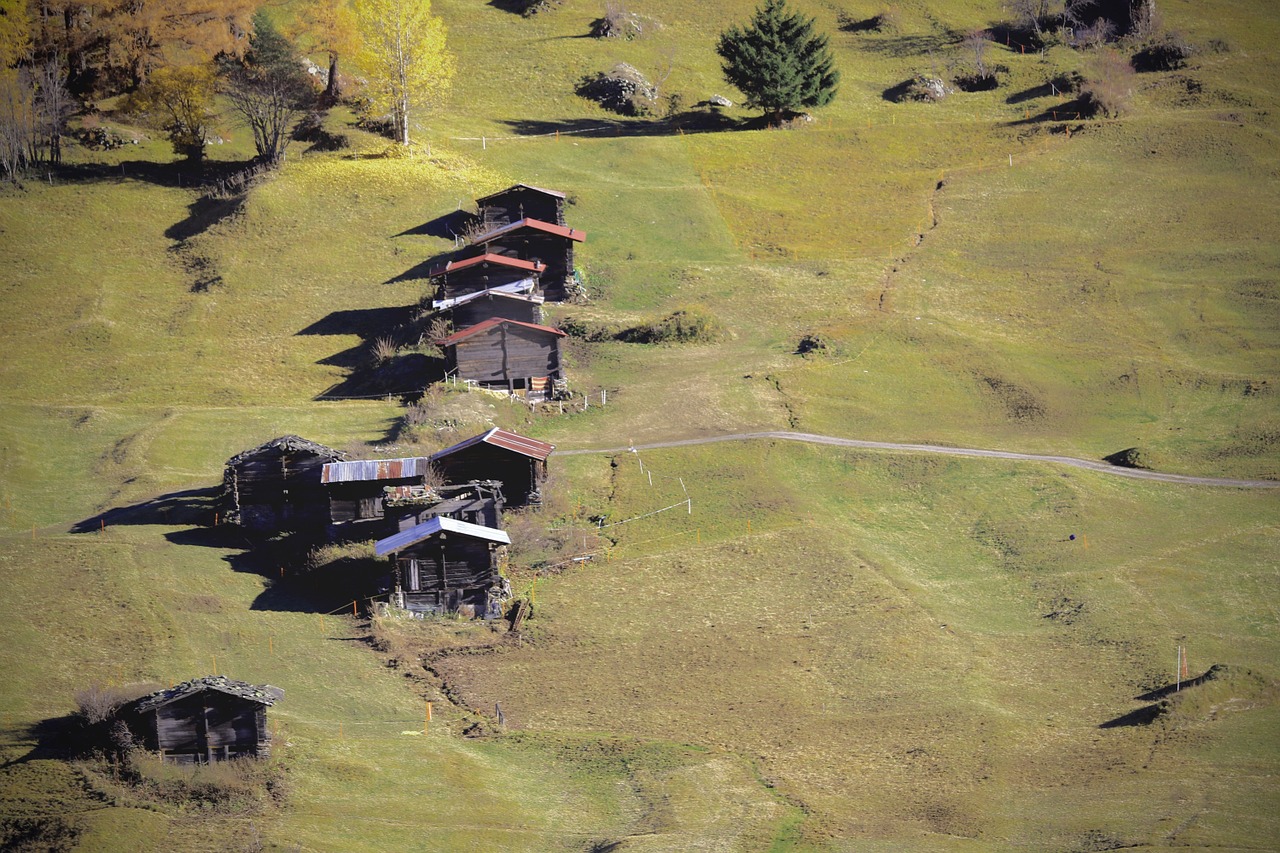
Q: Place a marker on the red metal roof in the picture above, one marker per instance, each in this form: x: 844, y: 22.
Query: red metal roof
x: 537, y: 225
x: 487, y: 258
x: 492, y: 322
x: 531, y: 447
x: 554, y: 193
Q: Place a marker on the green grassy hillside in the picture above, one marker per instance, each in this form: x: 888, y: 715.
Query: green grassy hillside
x: 835, y: 650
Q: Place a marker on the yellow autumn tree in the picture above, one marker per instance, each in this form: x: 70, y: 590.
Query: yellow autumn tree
x: 404, y: 57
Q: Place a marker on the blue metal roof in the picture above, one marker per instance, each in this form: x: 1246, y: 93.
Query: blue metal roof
x: 433, y: 526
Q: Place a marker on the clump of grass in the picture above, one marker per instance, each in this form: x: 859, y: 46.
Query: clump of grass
x: 692, y: 325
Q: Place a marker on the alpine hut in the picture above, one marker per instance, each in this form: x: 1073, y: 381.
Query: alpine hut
x: 506, y: 354
x: 474, y: 308
x: 357, y: 487
x: 519, y: 463
x: 537, y: 241
x: 205, y: 720
x: 447, y: 566
x: 485, y: 271
x: 522, y: 201
x: 277, y: 486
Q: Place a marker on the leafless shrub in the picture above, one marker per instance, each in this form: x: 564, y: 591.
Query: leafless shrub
x: 384, y: 349
x: 975, y: 44
x: 1108, y: 83
x: 98, y: 703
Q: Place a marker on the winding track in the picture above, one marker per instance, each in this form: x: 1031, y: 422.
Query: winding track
x: 810, y: 438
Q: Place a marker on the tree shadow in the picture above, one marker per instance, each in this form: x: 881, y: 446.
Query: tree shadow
x: 1056, y: 87
x: 1073, y: 110
x: 451, y: 226
x: 188, y: 507
x: 867, y: 25
x: 692, y: 121
x: 178, y: 173
x: 514, y: 7
x: 203, y: 214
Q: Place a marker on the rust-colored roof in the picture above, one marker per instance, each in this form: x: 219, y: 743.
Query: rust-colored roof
x: 487, y: 258
x: 537, y: 225
x: 531, y: 447
x: 491, y: 323
x: 543, y: 190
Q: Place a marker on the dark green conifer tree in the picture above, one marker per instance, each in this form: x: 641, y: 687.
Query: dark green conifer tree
x: 779, y: 62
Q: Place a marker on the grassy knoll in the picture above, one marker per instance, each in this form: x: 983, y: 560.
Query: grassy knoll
x: 836, y: 650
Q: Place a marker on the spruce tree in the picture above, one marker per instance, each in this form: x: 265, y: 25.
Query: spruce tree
x: 779, y: 62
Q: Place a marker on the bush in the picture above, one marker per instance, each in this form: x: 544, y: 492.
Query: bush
x: 1168, y: 52
x: 1108, y: 84
x: 685, y: 326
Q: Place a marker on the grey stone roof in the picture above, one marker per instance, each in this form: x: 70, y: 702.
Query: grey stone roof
x: 263, y: 695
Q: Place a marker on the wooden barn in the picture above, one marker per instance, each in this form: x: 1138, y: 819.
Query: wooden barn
x: 486, y: 271
x: 522, y: 201
x: 519, y: 463
x: 506, y: 354
x: 447, y: 566
x: 356, y: 489
x: 535, y: 240
x: 205, y: 720
x: 277, y: 486
x: 474, y: 308
x: 477, y: 502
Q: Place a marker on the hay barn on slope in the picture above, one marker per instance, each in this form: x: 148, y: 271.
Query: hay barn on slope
x: 356, y: 490
x: 506, y: 354
x: 447, y: 566
x: 487, y: 271
x: 534, y: 240
x: 519, y: 463
x: 205, y: 720
x: 277, y: 486
x: 522, y: 201
x: 474, y: 308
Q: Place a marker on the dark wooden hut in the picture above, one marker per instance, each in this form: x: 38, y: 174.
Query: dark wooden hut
x: 477, y: 502
x: 507, y: 354
x: 535, y: 240
x: 519, y: 463
x: 445, y: 566
x: 356, y: 489
x: 474, y: 308
x: 204, y: 720
x: 486, y: 271
x: 522, y: 201
x: 276, y: 486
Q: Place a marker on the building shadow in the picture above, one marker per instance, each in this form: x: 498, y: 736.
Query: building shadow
x: 187, y: 507
x: 451, y: 226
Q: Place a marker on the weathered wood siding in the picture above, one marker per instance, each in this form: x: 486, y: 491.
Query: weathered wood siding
x: 487, y: 307
x: 208, y: 726
x: 523, y: 203
x: 520, y: 475
x: 554, y: 251
x: 275, y: 489
x: 356, y: 510
x: 505, y: 353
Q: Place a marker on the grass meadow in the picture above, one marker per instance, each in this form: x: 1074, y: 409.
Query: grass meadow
x: 835, y: 649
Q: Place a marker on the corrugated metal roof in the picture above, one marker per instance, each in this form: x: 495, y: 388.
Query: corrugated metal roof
x: 487, y: 258
x: 531, y: 447
x: 359, y: 470
x: 512, y: 290
x: 537, y: 225
x: 555, y: 193
x: 264, y: 695
x: 491, y: 323
x: 434, y: 526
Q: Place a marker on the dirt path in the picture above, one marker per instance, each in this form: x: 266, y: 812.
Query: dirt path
x: 810, y: 438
